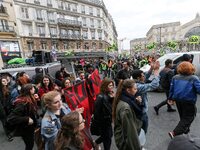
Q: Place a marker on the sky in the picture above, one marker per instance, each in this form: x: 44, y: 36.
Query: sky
x: 133, y: 18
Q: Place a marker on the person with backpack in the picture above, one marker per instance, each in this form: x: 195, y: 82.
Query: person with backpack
x: 165, y: 79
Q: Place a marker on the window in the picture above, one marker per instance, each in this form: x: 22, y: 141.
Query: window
x: 99, y: 23
x: 51, y: 17
x: 66, y: 45
x: 30, y: 45
x: 91, y: 11
x: 39, y: 14
x: 98, y: 12
x: 84, y: 21
x: 4, y: 25
x: 100, y: 35
x: 83, y: 9
x: 60, y: 4
x: 100, y: 46
x: 41, y: 30
x: 24, y: 13
x: 92, y: 22
x: 93, y: 45
x: 74, y: 7
x: 93, y: 34
x: 55, y: 45
x: 166, y: 29
x: 43, y: 45
x: 53, y: 31
x: 49, y: 3
x: 85, y: 34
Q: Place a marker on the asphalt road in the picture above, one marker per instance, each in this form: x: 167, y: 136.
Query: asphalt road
x: 157, y: 136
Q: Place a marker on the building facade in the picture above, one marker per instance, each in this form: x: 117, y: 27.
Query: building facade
x: 9, y: 40
x: 79, y: 25
x: 161, y: 34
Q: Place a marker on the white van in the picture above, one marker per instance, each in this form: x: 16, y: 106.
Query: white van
x: 177, y: 57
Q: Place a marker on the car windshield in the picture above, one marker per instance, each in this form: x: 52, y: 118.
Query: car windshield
x: 165, y: 57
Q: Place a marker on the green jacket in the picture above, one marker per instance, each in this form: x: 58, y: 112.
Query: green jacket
x: 126, y: 128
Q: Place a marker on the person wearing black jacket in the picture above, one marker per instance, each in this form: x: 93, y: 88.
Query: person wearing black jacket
x: 103, y: 113
x: 125, y: 73
x: 24, y: 116
x: 166, y: 76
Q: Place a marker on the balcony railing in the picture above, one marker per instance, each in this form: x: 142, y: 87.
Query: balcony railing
x: 70, y: 36
x: 49, y: 5
x: 62, y: 21
x: 42, y: 34
x: 6, y: 29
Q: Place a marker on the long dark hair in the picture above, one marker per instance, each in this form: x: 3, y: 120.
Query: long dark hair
x: 123, y: 85
x: 27, y: 97
x: 69, y: 133
x: 4, y: 89
x: 51, y: 85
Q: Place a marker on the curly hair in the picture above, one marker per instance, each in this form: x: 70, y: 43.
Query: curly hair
x: 104, y: 85
x: 186, y: 68
x: 69, y: 134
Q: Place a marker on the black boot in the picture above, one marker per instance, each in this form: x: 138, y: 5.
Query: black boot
x: 156, y: 108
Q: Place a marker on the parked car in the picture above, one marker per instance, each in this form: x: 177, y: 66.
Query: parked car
x: 177, y: 57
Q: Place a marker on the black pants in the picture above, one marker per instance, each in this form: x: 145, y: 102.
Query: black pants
x: 164, y: 102
x: 105, y: 137
x: 28, y: 140
x: 187, y: 113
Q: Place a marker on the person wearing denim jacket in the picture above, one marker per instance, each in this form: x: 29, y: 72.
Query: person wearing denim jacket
x: 51, y: 120
x: 143, y: 87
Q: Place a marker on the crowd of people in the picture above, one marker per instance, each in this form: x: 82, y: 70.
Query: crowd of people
x: 36, y: 106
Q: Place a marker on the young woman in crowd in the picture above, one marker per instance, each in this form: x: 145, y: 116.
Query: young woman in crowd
x: 46, y: 85
x: 70, y: 137
x: 55, y: 111
x: 24, y: 116
x: 5, y: 104
x: 183, y: 90
x: 103, y: 113
x: 126, y: 124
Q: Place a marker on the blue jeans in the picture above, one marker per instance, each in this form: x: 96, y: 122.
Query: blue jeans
x: 145, y: 122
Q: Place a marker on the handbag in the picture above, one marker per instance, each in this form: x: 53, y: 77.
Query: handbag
x: 95, y: 127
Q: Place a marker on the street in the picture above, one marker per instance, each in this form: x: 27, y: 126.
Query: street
x: 159, y: 126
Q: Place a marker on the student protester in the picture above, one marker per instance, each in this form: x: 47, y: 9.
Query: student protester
x: 6, y: 105
x: 127, y: 126
x: 166, y: 76
x: 24, y: 116
x: 183, y: 90
x: 70, y: 136
x: 103, y: 113
x: 46, y: 85
x: 55, y: 111
x: 143, y: 87
x: 124, y: 73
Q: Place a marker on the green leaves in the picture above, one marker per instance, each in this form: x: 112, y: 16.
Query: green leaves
x: 194, y: 39
x: 172, y: 45
x: 151, y: 46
